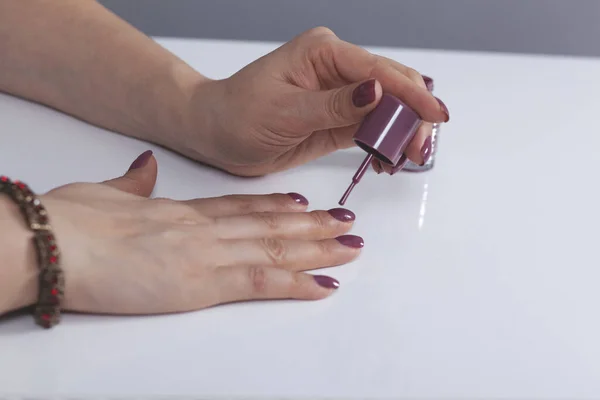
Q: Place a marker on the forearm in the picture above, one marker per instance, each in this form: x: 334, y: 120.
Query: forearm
x: 18, y: 270
x: 79, y: 58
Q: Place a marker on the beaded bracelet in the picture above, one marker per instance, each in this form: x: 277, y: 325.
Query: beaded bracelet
x: 51, y: 277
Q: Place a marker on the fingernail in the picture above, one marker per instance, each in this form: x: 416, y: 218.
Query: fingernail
x: 326, y: 281
x: 298, y: 198
x: 356, y: 242
x: 400, y: 165
x: 377, y: 167
x: 341, y: 214
x: 426, y: 150
x: 364, y: 93
x: 428, y: 82
x: 142, y: 160
x: 444, y: 109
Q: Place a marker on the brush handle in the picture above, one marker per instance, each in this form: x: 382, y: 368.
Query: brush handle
x: 360, y: 172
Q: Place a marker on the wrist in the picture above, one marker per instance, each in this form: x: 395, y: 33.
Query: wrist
x: 176, y: 125
x: 202, y: 123
x: 18, y: 269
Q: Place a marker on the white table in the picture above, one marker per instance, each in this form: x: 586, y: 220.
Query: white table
x: 479, y: 279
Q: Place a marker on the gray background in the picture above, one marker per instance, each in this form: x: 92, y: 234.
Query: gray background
x: 568, y: 27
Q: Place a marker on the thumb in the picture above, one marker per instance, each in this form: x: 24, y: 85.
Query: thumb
x: 343, y: 106
x: 140, y: 178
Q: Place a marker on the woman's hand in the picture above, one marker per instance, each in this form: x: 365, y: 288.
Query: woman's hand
x: 126, y: 254
x: 300, y: 102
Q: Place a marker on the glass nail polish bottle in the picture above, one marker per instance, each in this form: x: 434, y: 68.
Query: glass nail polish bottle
x: 413, y: 167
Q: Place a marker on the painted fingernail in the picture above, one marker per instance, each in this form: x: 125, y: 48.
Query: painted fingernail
x: 341, y: 214
x: 298, y: 198
x: 400, y: 165
x: 326, y: 281
x: 444, y: 109
x: 142, y: 160
x: 426, y: 150
x: 364, y: 93
x: 356, y: 242
x: 377, y: 167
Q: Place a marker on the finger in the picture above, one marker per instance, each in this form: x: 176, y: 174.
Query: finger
x: 296, y: 255
x: 314, y: 225
x: 140, y: 178
x: 413, y: 75
x: 377, y: 166
x: 357, y: 64
x: 324, y: 142
x: 261, y: 283
x: 248, y: 204
x: 419, y: 148
x: 339, y: 107
x: 319, y: 144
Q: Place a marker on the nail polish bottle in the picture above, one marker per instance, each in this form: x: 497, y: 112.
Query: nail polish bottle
x: 384, y: 134
x: 413, y: 167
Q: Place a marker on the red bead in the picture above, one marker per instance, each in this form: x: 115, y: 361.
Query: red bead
x: 53, y: 259
x: 50, y: 238
x: 21, y: 185
x: 53, y: 248
x: 54, y: 292
x: 3, y: 178
x: 45, y: 317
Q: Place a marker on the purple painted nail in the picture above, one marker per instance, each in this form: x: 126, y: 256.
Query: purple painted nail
x: 142, y: 160
x: 298, y: 198
x: 326, y: 281
x: 428, y: 82
x: 400, y: 164
x: 356, y: 242
x: 364, y: 94
x: 444, y: 109
x: 341, y: 214
x: 426, y: 150
x: 377, y: 167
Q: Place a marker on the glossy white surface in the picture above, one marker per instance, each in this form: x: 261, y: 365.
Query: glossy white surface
x: 478, y: 279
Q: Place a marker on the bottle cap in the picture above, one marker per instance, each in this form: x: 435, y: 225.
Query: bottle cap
x: 384, y: 134
x: 387, y: 130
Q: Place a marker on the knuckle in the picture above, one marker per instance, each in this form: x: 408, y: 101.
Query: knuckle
x: 373, y: 63
x: 321, y: 31
x: 244, y: 205
x: 323, y: 249
x: 258, y: 279
x: 275, y: 250
x: 319, y: 220
x: 334, y: 107
x: 271, y: 221
x: 414, y: 75
x: 324, y: 41
x: 240, y: 203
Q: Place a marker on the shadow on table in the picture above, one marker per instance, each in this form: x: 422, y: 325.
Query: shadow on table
x: 17, y: 323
